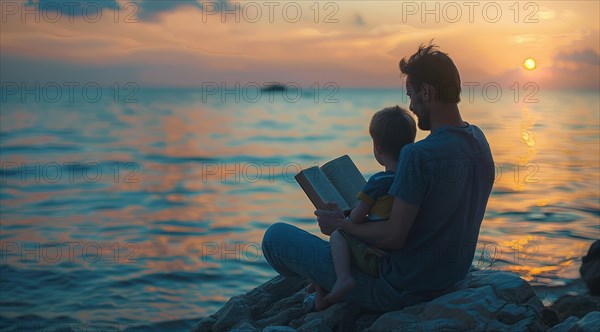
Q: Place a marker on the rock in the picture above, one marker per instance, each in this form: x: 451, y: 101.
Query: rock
x: 564, y: 326
x: 590, y: 268
x: 575, y: 305
x: 589, y: 322
x: 274, y: 302
x: 484, y: 300
x: 340, y: 316
x: 551, y: 317
x: 278, y: 329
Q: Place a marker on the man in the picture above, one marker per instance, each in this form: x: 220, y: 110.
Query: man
x: 440, y: 191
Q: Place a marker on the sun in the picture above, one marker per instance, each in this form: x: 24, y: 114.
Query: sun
x: 529, y: 64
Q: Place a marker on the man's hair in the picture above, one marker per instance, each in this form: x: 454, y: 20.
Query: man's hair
x: 392, y: 128
x: 434, y: 68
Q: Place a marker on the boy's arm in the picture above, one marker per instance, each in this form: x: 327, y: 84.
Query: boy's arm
x: 387, y: 234
x: 359, y: 213
x: 365, y: 201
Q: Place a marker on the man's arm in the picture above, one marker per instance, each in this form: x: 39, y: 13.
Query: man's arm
x: 359, y: 213
x: 388, y: 234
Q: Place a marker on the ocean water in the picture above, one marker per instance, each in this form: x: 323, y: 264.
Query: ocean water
x: 148, y: 209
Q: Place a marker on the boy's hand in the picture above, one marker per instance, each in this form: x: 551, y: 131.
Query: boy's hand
x: 330, y: 219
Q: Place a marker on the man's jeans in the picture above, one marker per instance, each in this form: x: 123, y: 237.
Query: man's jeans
x: 292, y: 251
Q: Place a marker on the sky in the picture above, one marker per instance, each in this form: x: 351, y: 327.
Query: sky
x: 349, y: 43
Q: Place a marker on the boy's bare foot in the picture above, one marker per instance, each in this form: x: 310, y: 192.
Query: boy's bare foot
x: 341, y: 287
x: 320, y: 302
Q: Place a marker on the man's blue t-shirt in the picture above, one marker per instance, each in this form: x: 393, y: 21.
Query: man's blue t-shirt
x: 449, y: 175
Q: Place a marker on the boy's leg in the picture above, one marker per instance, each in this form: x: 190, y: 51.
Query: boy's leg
x: 340, y: 253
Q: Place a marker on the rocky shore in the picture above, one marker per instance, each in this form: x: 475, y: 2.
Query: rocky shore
x: 485, y: 300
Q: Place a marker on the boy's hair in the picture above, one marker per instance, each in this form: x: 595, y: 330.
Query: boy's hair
x: 392, y: 128
x: 436, y: 69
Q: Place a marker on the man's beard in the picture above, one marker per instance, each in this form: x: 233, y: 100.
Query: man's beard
x: 424, y: 121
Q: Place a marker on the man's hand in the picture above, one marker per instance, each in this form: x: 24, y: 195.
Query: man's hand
x: 330, y: 219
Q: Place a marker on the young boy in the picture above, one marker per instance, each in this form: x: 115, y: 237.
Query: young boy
x: 391, y: 129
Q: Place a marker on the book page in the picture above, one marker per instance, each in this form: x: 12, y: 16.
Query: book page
x: 319, y: 188
x: 345, y: 177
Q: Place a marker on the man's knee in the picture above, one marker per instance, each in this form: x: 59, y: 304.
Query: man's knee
x: 274, y: 238
x: 276, y: 232
x: 277, y: 248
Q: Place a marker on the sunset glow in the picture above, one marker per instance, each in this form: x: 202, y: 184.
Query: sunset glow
x: 354, y: 44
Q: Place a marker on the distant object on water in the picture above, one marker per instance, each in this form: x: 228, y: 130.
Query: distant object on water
x: 275, y: 87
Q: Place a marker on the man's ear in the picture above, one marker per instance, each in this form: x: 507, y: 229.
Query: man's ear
x: 378, y: 148
x: 425, y: 91
x: 428, y: 92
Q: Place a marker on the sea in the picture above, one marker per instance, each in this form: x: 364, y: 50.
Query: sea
x: 143, y: 208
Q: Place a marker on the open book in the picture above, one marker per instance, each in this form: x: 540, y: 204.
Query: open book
x: 337, y: 181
